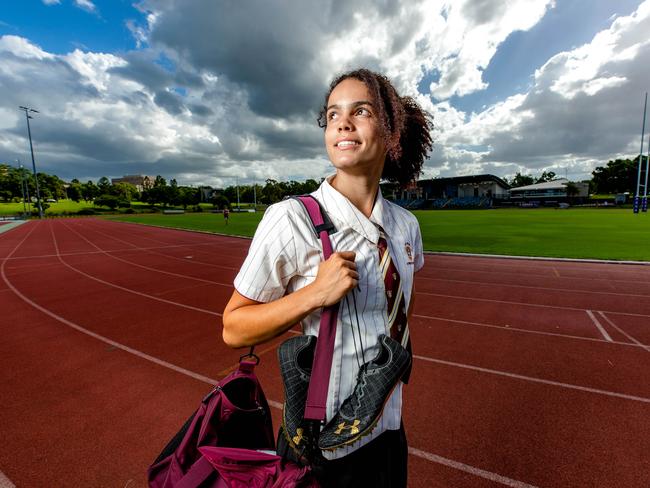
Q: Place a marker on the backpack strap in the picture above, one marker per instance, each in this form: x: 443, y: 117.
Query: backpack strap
x: 315, y: 406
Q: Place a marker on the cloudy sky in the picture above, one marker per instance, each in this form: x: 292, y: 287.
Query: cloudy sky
x: 210, y: 91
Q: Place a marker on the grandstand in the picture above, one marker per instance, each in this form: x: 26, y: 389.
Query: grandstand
x: 461, y: 192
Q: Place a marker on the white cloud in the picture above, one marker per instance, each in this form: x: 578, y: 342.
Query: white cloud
x: 581, y: 110
x: 86, y: 5
x: 22, y: 48
x: 51, y: 2
x: 237, y: 89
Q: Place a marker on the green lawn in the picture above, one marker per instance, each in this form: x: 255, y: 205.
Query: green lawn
x: 55, y: 208
x: 70, y: 207
x: 241, y: 224
x: 574, y: 233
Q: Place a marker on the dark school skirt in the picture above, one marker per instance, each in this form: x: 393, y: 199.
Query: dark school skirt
x: 382, y: 463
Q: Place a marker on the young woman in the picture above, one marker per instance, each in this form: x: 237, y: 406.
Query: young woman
x: 371, y: 133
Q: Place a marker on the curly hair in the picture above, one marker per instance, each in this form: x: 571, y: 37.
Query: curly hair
x: 403, y: 125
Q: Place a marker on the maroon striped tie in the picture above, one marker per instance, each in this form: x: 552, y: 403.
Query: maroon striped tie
x: 397, y: 319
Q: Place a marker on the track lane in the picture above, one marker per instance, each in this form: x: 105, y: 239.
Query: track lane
x: 440, y: 475
x: 546, y: 436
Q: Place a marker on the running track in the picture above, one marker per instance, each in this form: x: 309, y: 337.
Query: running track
x: 527, y: 373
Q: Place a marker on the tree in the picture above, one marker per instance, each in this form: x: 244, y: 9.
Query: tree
x: 572, y: 189
x: 126, y: 191
x: 272, y: 192
x: 189, y: 196
x: 104, y: 185
x: 172, y: 195
x: 546, y: 176
x: 618, y: 176
x: 74, y: 192
x: 157, y: 193
x: 89, y: 191
x: 521, y: 180
x: 220, y: 201
x: 111, y: 201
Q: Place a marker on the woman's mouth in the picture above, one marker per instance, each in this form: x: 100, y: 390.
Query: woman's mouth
x: 347, y: 144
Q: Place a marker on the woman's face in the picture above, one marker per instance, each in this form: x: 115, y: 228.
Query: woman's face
x: 352, y: 136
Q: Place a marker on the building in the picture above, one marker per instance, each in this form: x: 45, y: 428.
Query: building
x: 456, y: 192
x: 473, y: 186
x: 549, y: 192
x: 208, y: 193
x: 141, y: 182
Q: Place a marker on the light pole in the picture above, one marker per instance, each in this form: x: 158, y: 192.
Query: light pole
x: 22, y: 188
x: 237, y: 183
x: 26, y: 185
x: 31, y: 147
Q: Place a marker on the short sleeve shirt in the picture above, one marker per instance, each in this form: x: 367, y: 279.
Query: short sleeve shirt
x: 284, y: 256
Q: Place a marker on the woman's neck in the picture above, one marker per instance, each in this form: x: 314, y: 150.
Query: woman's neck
x: 360, y: 190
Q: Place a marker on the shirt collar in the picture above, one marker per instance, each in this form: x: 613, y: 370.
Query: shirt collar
x: 344, y: 214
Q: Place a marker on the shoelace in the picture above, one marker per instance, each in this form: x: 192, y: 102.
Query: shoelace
x: 361, y: 362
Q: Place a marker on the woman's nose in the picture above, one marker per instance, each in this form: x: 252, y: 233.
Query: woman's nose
x: 344, y: 124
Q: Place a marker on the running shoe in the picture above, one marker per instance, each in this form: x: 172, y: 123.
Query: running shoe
x: 296, y: 356
x: 360, y: 412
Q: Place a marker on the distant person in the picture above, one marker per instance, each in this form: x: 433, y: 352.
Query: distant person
x: 226, y: 214
x: 371, y: 133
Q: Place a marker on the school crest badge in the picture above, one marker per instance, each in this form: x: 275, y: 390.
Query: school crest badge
x: 409, y: 252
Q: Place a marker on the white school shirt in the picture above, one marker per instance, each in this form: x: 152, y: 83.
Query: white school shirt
x: 284, y: 257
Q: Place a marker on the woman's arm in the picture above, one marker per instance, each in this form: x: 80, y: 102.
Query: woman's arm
x: 247, y: 322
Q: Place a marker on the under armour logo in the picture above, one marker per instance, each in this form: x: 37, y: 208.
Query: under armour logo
x: 389, y: 293
x: 299, y: 437
x: 353, y: 428
x: 394, y: 276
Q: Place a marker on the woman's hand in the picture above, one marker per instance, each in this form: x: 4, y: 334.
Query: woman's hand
x: 335, y: 278
x: 247, y: 322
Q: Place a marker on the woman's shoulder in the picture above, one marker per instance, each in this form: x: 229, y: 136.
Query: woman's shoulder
x: 400, y: 214
x: 289, y: 210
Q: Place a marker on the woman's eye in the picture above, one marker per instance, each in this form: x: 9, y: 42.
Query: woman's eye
x: 331, y: 116
x: 363, y: 111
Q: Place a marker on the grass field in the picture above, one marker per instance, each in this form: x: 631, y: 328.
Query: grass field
x: 242, y: 224
x: 572, y: 233
x: 70, y: 207
x: 58, y: 207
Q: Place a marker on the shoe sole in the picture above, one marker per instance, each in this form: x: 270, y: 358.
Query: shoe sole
x: 371, y: 427
x: 364, y: 433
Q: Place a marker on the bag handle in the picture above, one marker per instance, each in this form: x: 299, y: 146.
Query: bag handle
x: 315, y: 407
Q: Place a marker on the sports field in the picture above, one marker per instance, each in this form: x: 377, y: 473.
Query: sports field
x: 526, y: 373
x: 571, y: 233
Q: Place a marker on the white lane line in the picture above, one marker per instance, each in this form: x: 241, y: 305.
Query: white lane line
x: 132, y: 263
x: 5, y: 482
x: 168, y: 256
x: 518, y: 329
x: 526, y: 378
x: 128, y: 290
x: 539, y: 305
x: 275, y: 404
x: 647, y: 348
x: 469, y: 469
x: 531, y: 287
x: 599, y: 325
x: 489, y: 270
x: 535, y: 380
x: 83, y: 253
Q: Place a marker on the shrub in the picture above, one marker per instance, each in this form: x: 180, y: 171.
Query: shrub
x: 86, y: 211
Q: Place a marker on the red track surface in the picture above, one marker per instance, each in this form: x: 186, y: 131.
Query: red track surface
x: 527, y: 372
